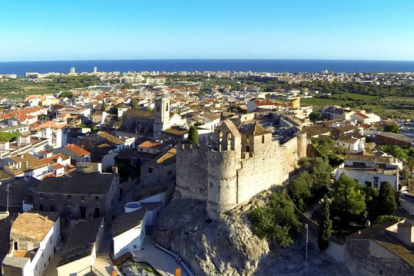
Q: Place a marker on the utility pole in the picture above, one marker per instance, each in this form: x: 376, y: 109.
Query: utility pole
x: 306, y: 250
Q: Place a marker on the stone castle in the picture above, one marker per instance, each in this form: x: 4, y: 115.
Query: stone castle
x: 235, y: 166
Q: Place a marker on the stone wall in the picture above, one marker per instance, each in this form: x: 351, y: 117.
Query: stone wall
x: 360, y: 260
x: 225, y: 180
x: 153, y: 173
x: 192, y: 172
x: 269, y: 167
x: 222, y: 181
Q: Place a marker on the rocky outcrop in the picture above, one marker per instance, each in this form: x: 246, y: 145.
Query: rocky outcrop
x: 224, y: 247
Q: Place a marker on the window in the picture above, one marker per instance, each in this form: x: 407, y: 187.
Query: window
x: 169, y: 172
x: 52, y: 208
x: 69, y: 197
x: 82, y: 197
x: 166, y: 107
x: 263, y: 139
x: 135, y: 246
x: 149, y: 170
x: 96, y: 198
x: 41, y: 207
x: 41, y: 195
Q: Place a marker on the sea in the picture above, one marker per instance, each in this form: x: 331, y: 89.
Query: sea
x: 191, y: 65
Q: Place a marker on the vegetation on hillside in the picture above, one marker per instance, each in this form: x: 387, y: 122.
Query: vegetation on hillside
x: 277, y: 222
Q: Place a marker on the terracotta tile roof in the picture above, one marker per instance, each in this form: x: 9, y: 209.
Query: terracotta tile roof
x: 266, y: 102
x: 77, y: 150
x: 54, y: 158
x: 148, y: 144
x: 367, y: 158
x: 362, y: 115
x: 33, y: 226
x: 110, y: 138
x: 58, y: 166
x: 168, y: 157
x: 51, y: 124
x: 348, y: 140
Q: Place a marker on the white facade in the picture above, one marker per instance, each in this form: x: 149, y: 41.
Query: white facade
x: 130, y: 240
x: 369, y: 178
x: 38, y: 265
x: 358, y: 145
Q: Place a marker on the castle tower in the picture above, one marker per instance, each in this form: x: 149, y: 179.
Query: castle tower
x: 223, y: 163
x: 162, y: 116
x: 255, y: 138
x: 302, y: 144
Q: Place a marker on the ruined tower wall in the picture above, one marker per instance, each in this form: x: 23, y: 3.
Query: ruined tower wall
x: 222, y: 182
x: 192, y: 174
x: 265, y: 169
x: 302, y: 144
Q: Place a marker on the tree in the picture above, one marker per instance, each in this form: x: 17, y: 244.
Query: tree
x: 127, y: 86
x: 386, y: 200
x: 9, y: 136
x: 371, y: 201
x: 300, y: 190
x: 347, y: 199
x: 67, y: 95
x: 392, y: 128
x: 135, y: 105
x: 325, y: 226
x: 103, y: 106
x: 193, y: 135
x: 276, y: 222
x: 315, y: 116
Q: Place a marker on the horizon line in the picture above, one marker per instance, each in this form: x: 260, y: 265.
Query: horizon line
x: 172, y: 59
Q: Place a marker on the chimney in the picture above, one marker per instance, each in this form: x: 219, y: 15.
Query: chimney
x: 406, y: 232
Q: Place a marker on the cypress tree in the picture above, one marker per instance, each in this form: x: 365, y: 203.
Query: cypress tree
x: 193, y: 135
x: 103, y: 106
x: 386, y: 200
x: 325, y: 226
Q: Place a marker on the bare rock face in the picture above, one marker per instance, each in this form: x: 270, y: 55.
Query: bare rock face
x: 225, y: 247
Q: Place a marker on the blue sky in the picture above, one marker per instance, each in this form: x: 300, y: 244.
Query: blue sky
x: 146, y: 29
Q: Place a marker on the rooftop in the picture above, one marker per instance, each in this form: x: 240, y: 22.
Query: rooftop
x: 110, y: 138
x: 126, y: 222
x: 81, y: 241
x: 33, y: 226
x: 139, y: 113
x: 78, y: 183
x: 77, y: 150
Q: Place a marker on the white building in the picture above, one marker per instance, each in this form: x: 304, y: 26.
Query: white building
x: 371, y: 171
x: 164, y: 119
x: 34, y: 238
x: 351, y: 143
x: 128, y: 231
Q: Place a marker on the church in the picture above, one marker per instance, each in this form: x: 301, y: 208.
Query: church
x: 152, y: 123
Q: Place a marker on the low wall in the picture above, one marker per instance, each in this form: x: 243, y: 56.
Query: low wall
x: 336, y: 251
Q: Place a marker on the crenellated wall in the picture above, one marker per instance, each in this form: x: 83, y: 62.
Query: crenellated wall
x: 228, y: 178
x: 192, y: 174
